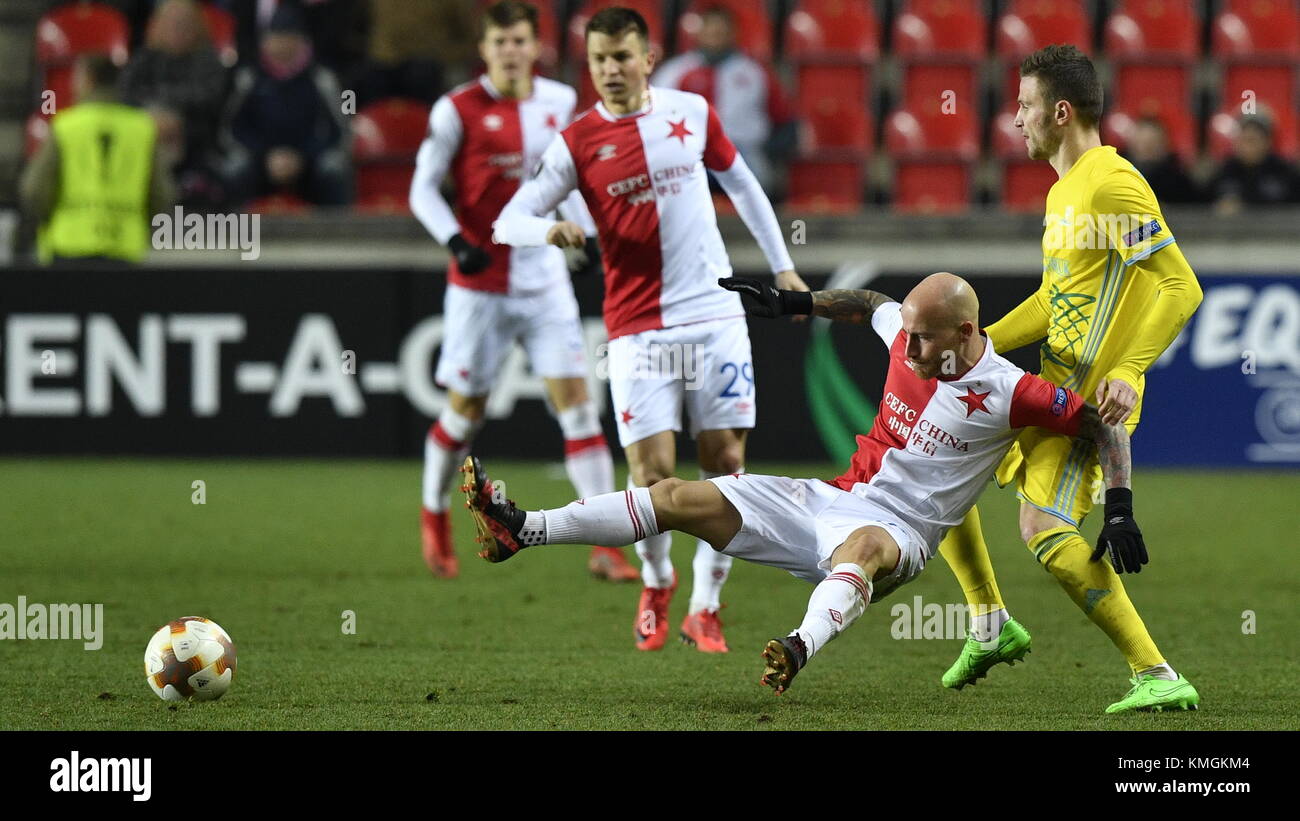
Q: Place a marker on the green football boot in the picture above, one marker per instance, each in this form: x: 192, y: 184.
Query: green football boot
x: 977, y: 659
x: 1154, y: 694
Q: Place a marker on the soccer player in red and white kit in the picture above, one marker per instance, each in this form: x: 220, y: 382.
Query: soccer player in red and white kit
x: 485, y: 133
x: 638, y: 158
x: 951, y: 410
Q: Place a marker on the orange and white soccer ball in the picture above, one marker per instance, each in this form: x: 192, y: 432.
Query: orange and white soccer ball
x: 191, y: 658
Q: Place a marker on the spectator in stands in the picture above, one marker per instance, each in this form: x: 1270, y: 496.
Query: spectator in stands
x: 1148, y: 150
x: 178, y: 76
x: 1254, y: 174
x: 417, y: 50
x: 746, y: 94
x: 284, y: 130
x: 95, y: 182
x: 336, y: 28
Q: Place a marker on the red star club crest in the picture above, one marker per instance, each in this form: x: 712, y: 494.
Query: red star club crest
x: 551, y: 122
x: 627, y: 416
x: 974, y: 401
x: 679, y: 130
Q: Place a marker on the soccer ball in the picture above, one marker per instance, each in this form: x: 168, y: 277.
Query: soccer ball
x: 190, y: 658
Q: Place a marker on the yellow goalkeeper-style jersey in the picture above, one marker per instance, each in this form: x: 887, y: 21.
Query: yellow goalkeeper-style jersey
x: 1102, y: 220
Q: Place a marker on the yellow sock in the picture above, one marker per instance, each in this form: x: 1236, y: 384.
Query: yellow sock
x: 964, y: 550
x: 1098, y: 591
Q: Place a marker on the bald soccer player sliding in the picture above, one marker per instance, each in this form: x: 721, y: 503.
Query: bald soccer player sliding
x: 951, y: 409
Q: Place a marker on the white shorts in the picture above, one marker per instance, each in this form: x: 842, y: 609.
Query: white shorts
x: 479, y: 328
x: 796, y: 524
x: 705, y: 365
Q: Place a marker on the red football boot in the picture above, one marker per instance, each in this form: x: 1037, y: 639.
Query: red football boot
x: 439, y: 555
x: 651, y: 625
x: 703, y: 631
x: 608, y: 563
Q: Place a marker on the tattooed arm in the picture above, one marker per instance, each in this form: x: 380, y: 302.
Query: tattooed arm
x: 848, y: 306
x: 1120, y: 535
x: 1113, y: 448
x: 761, y: 299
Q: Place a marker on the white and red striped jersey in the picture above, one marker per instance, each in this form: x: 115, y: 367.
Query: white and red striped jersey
x: 642, y: 176
x: 936, y: 442
x: 488, y: 142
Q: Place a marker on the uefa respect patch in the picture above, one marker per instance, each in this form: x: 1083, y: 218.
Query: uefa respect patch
x: 1143, y: 233
x: 1059, y: 402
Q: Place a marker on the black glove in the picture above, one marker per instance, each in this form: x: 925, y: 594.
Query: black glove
x: 761, y: 299
x: 587, y: 261
x: 1120, y: 534
x: 469, y: 258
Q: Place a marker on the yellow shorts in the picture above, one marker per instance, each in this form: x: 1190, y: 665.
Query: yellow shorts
x: 1055, y: 473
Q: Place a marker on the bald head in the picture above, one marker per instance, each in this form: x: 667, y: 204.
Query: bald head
x: 941, y: 319
x: 942, y: 300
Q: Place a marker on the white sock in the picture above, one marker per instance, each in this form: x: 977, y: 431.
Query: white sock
x: 654, y: 552
x: 1161, y: 671
x: 985, y: 624
x: 835, y: 604
x: 586, y: 454
x: 710, y: 568
x: 610, y: 519
x: 445, y: 447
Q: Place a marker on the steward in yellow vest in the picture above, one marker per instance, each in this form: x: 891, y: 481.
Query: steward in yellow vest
x: 96, y: 180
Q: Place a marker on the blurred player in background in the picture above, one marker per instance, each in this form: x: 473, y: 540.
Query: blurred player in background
x: 1116, y: 291
x: 927, y: 458
x: 638, y: 158
x: 486, y: 133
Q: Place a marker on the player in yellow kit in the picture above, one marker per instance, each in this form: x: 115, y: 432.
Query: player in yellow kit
x: 1116, y: 291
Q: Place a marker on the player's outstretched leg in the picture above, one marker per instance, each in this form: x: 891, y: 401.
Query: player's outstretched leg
x: 696, y: 508
x: 590, y: 466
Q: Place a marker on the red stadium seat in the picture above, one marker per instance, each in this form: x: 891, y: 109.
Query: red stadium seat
x: 1117, y: 126
x: 651, y: 10
x: 1153, y: 28
x: 1025, y: 184
x: 1222, y: 132
x: 1254, y: 28
x: 919, y: 132
x: 69, y: 31
x: 826, y: 185
x: 1028, y: 25
x: 389, y: 129
x: 753, y: 25
x: 932, y: 28
x: 1271, y: 83
x: 1142, y: 85
x: 833, y: 102
x: 840, y: 29
x: 926, y: 85
x: 221, y: 29
x: 386, y: 137
x: 931, y: 186
x: 36, y: 132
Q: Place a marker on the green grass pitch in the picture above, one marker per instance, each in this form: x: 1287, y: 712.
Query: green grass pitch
x: 282, y: 548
